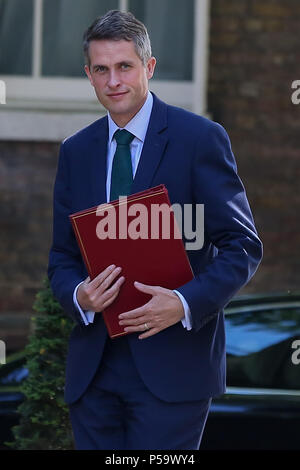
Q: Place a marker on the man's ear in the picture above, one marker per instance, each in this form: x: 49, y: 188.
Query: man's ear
x: 88, y: 72
x: 150, y: 67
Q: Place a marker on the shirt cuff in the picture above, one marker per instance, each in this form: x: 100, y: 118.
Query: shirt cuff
x: 87, y: 315
x: 187, y: 320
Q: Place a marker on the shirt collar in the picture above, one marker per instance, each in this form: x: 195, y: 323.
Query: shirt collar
x: 138, y: 124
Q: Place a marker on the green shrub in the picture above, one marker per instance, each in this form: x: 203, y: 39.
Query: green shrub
x: 44, y: 422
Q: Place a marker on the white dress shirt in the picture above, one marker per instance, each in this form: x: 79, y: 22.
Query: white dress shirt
x: 138, y: 127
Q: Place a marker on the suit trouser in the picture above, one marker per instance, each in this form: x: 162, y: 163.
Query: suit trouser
x: 118, y: 412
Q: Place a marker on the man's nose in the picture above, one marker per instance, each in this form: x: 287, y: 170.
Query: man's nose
x: 113, y: 79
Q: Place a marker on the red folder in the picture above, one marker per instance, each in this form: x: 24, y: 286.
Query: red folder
x: 146, y: 245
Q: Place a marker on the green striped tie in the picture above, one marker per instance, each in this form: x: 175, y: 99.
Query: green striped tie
x: 121, y: 176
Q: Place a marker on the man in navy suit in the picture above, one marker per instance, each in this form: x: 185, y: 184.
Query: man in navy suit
x: 150, y: 389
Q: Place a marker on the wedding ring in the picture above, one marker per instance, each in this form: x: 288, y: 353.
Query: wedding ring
x: 146, y: 326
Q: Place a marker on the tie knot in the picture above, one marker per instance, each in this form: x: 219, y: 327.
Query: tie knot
x: 123, y: 137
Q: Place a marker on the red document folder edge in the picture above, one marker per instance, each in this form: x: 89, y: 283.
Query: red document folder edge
x: 154, y: 261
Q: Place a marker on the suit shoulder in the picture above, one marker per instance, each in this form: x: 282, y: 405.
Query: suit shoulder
x: 189, y: 121
x: 82, y: 135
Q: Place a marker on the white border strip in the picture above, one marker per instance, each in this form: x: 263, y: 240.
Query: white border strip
x: 37, y: 38
x: 201, y: 55
x: 123, y: 5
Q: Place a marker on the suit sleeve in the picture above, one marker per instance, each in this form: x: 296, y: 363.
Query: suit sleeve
x: 228, y: 229
x: 65, y: 269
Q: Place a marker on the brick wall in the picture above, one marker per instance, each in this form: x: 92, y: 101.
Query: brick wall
x: 254, y: 58
x: 27, y: 173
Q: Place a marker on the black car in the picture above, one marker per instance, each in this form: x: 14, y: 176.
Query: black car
x: 261, y: 408
x: 12, y: 375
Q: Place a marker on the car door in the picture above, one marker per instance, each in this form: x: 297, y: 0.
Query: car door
x: 261, y: 408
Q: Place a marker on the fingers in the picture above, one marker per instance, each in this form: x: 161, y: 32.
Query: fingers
x: 141, y: 328
x: 112, y: 298
x: 137, y: 312
x: 103, y: 281
x: 107, y: 281
x: 110, y: 294
x: 152, y: 290
x: 98, y: 280
x: 162, y: 311
x: 103, y: 289
x: 102, y: 297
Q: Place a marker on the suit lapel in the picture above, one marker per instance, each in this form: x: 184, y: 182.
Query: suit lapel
x: 154, y: 146
x: 98, y: 162
x: 153, y: 149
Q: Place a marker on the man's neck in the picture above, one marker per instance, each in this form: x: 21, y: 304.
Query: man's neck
x: 121, y: 120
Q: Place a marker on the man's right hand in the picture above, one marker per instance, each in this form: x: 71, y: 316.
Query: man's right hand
x: 99, y: 293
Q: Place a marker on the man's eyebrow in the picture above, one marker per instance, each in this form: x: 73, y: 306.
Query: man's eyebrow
x: 95, y: 66
x: 129, y: 62
x: 125, y: 62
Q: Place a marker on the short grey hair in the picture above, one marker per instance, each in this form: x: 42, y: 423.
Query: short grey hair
x: 117, y: 25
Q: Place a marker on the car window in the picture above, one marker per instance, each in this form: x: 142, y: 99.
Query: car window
x: 13, y: 372
x: 259, y: 347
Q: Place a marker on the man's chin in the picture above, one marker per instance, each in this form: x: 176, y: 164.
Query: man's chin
x: 116, y: 106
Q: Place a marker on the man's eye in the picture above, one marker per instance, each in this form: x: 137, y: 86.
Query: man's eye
x: 125, y: 66
x: 100, y: 68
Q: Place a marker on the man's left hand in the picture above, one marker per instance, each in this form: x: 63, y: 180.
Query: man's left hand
x: 163, y: 310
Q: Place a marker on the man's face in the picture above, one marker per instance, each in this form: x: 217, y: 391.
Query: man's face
x: 119, y: 77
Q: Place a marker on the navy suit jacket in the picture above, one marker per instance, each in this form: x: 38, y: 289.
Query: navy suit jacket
x: 192, y: 156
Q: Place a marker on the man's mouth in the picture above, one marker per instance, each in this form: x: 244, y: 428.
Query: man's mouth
x: 117, y: 94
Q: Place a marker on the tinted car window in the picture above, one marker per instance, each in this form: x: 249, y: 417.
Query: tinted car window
x: 259, y: 347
